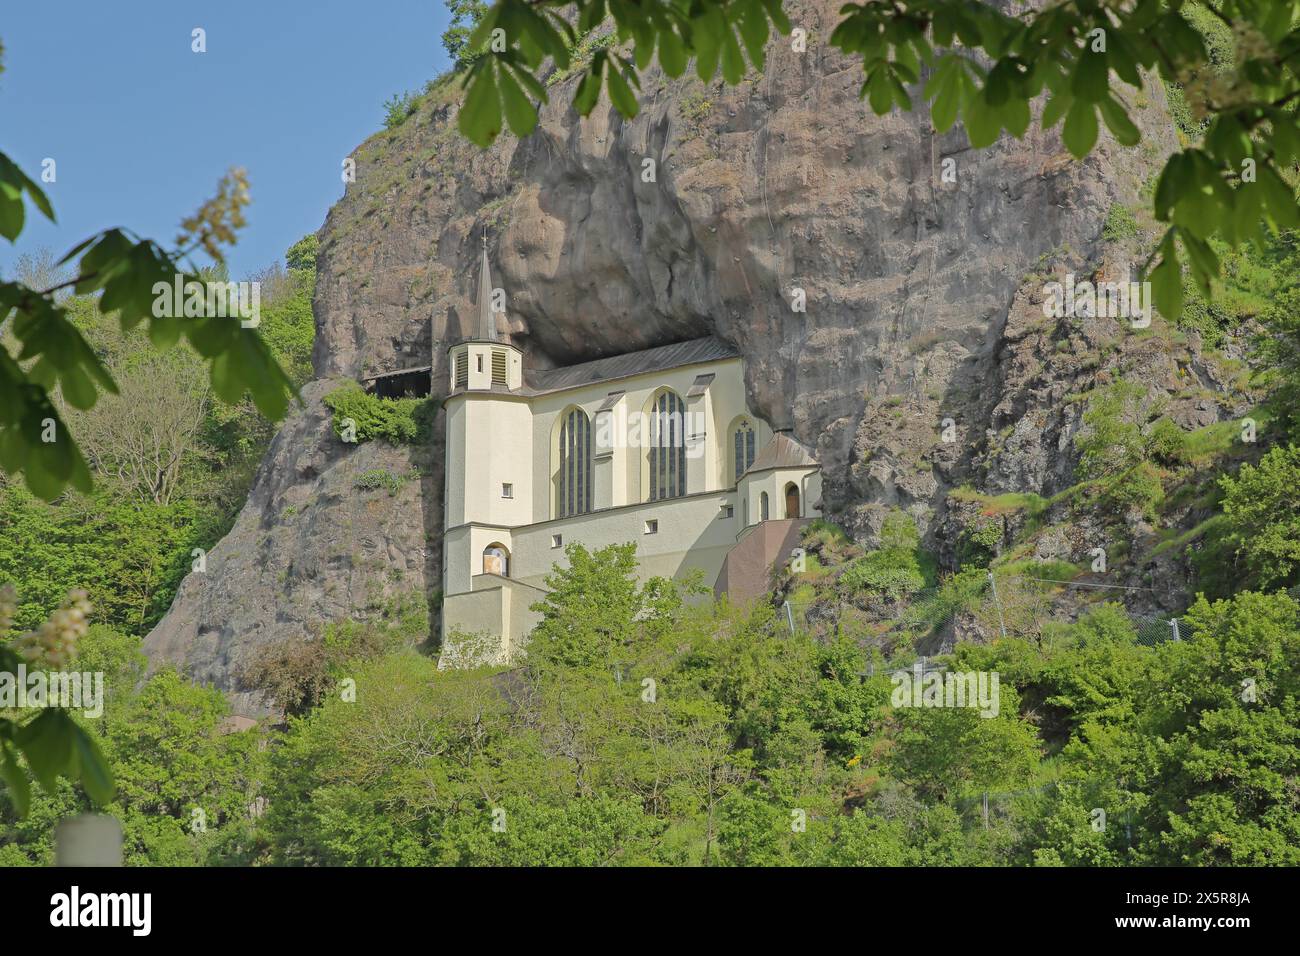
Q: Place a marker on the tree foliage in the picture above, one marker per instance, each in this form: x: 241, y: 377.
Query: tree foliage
x: 1263, y: 517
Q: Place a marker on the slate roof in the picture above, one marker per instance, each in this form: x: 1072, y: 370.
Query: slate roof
x: 782, y: 452
x: 660, y: 359
x: 416, y: 370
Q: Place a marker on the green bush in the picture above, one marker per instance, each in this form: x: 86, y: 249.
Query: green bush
x: 399, y: 421
x: 399, y: 108
x: 1114, y: 453
x: 1263, y: 517
x: 378, y: 478
x: 1166, y: 440
x: 1120, y: 224
x: 895, y: 567
x: 825, y: 533
x: 979, y: 543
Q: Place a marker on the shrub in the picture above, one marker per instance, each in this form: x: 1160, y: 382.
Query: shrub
x: 1263, y: 516
x: 378, y: 478
x: 1114, y: 452
x: 399, y: 421
x: 1166, y: 440
x: 296, y: 674
x: 1120, y: 224
x: 825, y: 532
x: 894, y: 568
x: 979, y: 542
x: 399, y: 108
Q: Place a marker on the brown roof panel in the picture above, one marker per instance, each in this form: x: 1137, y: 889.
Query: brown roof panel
x: 782, y: 452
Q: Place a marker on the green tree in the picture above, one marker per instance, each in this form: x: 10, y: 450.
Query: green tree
x: 1114, y: 450
x: 1263, y: 517
x: 589, y: 612
x: 465, y: 17
x: 302, y: 254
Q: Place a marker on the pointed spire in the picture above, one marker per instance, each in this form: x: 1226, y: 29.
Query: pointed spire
x: 487, y: 326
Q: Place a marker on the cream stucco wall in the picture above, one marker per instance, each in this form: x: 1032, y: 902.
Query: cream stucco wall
x: 494, y: 437
x: 693, y: 532
x: 484, y: 436
x: 627, y: 430
x: 773, y: 482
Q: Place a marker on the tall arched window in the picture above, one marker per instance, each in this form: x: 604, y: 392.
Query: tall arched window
x: 667, y: 446
x: 762, y: 507
x: 743, y: 450
x: 575, y: 463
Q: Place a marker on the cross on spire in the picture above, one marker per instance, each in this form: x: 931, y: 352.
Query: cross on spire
x: 487, y: 326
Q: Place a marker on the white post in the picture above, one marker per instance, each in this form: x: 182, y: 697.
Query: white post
x: 92, y: 839
x: 998, y: 601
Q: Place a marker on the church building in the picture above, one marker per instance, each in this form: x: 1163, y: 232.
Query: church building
x: 655, y: 447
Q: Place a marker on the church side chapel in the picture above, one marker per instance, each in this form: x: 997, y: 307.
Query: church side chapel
x: 655, y: 447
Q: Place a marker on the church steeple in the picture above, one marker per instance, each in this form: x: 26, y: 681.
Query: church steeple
x: 485, y: 360
x: 487, y: 326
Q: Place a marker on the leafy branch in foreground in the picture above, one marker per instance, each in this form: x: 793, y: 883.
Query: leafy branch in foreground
x: 974, y: 62
x: 124, y: 270
x: 52, y: 743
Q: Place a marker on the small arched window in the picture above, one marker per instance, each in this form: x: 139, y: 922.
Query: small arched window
x: 742, y: 448
x: 762, y: 507
x: 575, y: 463
x: 667, y: 446
x: 496, y: 560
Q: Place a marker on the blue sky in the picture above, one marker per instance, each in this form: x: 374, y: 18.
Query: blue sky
x: 141, y: 128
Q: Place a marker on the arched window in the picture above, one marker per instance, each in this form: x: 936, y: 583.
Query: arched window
x: 575, y: 463
x: 743, y: 441
x: 791, y: 500
x: 496, y: 560
x: 667, y: 446
x: 762, y: 507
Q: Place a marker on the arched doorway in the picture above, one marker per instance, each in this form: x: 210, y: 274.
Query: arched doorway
x: 791, y: 500
x: 496, y: 560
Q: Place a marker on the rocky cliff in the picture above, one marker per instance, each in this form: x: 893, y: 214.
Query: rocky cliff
x: 707, y: 213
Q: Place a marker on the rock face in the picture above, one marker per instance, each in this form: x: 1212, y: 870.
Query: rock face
x: 314, y: 543
x: 716, y: 210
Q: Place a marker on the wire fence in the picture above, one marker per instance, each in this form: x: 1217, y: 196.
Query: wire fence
x: 1008, y: 605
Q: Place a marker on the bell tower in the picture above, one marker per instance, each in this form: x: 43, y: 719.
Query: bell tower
x: 487, y: 361
x: 489, y: 467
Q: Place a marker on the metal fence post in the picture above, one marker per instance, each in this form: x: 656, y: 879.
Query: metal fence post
x: 1002, y: 621
x: 789, y: 615
x: 1173, y: 623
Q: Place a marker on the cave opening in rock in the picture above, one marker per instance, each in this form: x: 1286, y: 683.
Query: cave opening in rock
x: 402, y: 383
